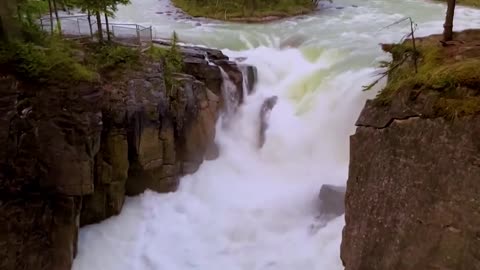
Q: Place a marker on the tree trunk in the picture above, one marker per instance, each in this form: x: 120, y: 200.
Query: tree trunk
x: 448, y: 26
x: 99, y: 25
x: 90, y: 23
x: 51, y: 16
x: 108, y: 27
x: 9, y: 25
x: 59, y: 25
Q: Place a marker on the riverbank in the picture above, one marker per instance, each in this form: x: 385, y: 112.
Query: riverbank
x: 239, y: 12
x: 470, y: 3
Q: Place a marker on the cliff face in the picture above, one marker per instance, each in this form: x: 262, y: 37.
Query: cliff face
x: 413, y: 192
x: 70, y: 153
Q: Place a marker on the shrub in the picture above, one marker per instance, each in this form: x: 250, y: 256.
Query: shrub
x: 171, y: 57
x: 51, y: 62
x: 113, y: 56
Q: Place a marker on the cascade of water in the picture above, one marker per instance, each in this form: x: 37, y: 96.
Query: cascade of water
x: 245, y: 83
x: 230, y: 97
x: 253, y: 209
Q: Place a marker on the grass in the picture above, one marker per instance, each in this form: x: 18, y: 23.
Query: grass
x: 237, y: 11
x: 453, y: 81
x: 109, y: 57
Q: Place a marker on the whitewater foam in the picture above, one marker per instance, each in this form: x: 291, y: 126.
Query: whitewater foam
x: 253, y: 208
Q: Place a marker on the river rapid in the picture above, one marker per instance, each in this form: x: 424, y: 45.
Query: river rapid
x: 254, y: 209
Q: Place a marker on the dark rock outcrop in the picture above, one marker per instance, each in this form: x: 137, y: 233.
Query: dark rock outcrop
x: 331, y: 201
x: 49, y: 139
x: 265, y: 110
x: 412, y: 198
x: 69, y: 154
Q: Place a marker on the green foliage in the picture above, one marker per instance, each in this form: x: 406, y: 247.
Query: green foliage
x: 237, y: 9
x: 113, y: 56
x: 31, y: 9
x: 54, y: 61
x: 33, y: 33
x: 173, y: 61
x: 171, y: 57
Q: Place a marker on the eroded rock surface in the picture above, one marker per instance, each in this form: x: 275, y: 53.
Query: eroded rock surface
x: 70, y: 153
x: 412, y: 198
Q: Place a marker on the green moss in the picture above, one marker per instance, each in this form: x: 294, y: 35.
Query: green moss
x: 453, y: 108
x: 235, y: 9
x: 439, y: 73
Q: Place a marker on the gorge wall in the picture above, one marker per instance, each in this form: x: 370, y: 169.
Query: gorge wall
x: 413, y: 192
x: 69, y: 154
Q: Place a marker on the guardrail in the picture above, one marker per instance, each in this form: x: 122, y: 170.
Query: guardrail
x: 82, y: 26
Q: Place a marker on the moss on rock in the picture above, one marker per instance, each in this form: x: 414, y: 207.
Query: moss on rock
x: 448, y: 73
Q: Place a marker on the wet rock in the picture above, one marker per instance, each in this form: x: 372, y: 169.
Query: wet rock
x: 332, y: 201
x: 203, y: 71
x: 250, y: 74
x: 201, y: 114
x: 198, y: 24
x: 265, y: 110
x: 69, y: 153
x: 235, y: 75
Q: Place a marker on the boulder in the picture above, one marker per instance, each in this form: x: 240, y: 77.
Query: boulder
x: 265, y: 110
x: 332, y: 202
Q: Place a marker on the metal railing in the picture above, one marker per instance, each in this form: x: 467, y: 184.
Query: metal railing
x: 76, y: 26
x: 131, y: 34
x: 80, y: 26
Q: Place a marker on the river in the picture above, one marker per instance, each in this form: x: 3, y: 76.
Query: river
x: 253, y: 209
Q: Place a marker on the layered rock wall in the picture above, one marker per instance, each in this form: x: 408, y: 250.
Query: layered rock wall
x: 69, y: 154
x: 413, y: 192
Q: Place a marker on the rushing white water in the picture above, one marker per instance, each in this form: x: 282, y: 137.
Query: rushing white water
x: 253, y: 209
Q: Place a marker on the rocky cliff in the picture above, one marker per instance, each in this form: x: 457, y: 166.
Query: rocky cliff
x: 413, y: 192
x: 69, y: 154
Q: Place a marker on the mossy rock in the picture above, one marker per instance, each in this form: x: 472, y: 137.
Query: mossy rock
x: 450, y: 73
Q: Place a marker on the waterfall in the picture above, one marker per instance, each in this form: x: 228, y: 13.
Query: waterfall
x: 256, y: 209
x: 231, y: 99
x: 246, y: 79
